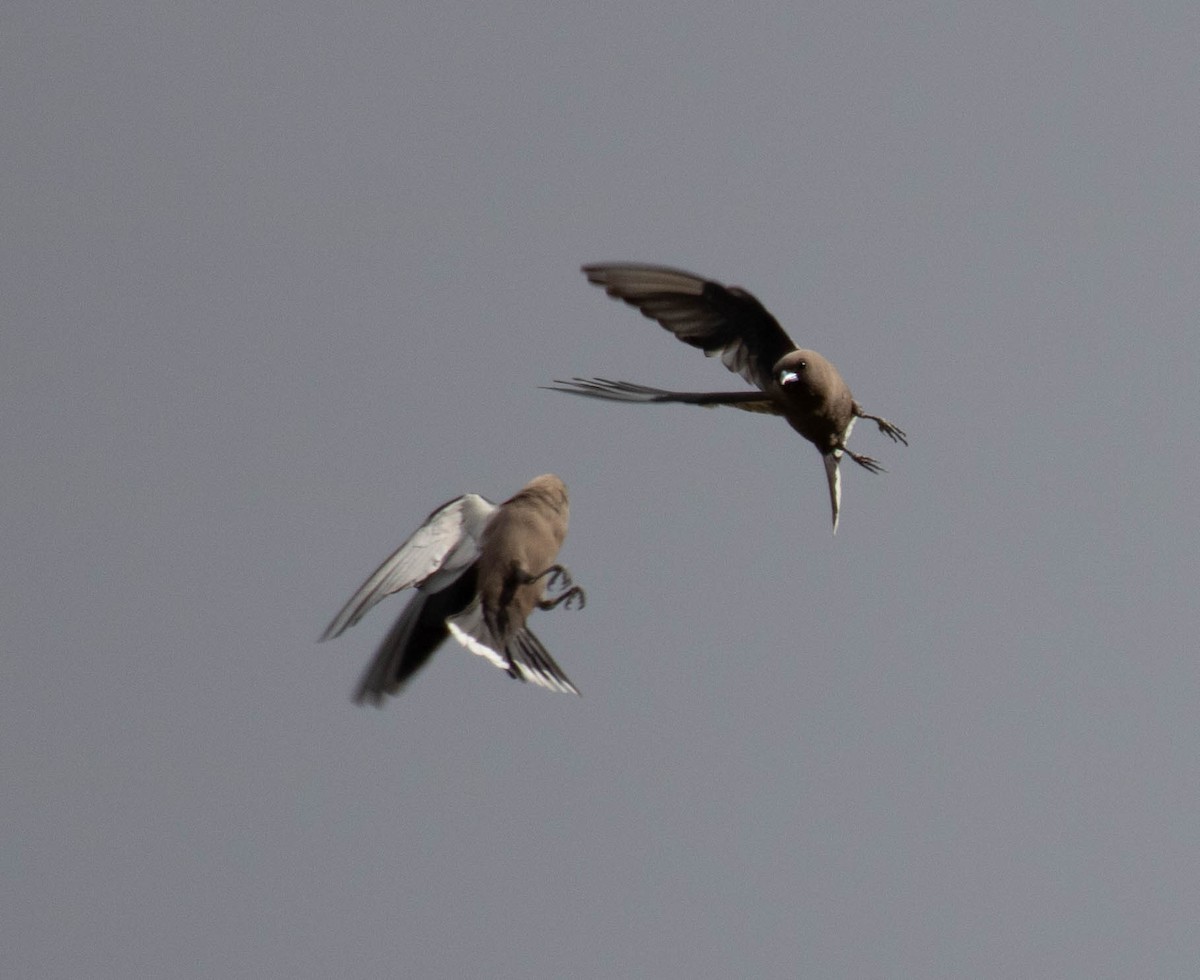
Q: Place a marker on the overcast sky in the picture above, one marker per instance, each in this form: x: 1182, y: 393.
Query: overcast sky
x: 276, y: 280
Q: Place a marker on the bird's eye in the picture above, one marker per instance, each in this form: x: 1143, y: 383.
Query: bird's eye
x: 802, y: 364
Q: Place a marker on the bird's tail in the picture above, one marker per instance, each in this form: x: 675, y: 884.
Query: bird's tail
x: 522, y: 656
x: 627, y: 391
x: 833, y: 473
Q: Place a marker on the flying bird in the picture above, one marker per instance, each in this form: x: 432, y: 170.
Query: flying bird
x: 729, y: 322
x: 479, y: 570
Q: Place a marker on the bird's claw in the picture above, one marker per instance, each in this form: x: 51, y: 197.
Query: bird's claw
x: 894, y: 432
x: 866, y: 462
x: 557, y: 577
x: 573, y: 594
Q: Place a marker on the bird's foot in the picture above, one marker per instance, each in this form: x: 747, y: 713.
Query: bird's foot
x: 557, y: 577
x: 866, y: 462
x: 573, y: 594
x: 893, y: 432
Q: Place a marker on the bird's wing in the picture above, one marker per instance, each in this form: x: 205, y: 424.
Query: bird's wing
x: 626, y: 391
x: 412, y: 640
x: 440, y: 550
x: 720, y: 320
x: 398, y: 658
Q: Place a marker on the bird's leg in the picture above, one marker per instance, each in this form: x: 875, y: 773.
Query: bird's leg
x: 866, y: 462
x: 574, y: 593
x: 894, y: 432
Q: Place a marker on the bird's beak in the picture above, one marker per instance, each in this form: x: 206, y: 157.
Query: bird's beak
x: 788, y: 377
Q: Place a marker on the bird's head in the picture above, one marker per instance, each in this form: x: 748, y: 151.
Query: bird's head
x: 799, y: 370
x: 806, y: 376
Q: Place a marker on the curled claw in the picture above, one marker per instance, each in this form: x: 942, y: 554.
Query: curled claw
x: 573, y: 594
x: 556, y: 576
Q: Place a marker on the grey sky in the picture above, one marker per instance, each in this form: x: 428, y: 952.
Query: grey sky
x: 277, y: 280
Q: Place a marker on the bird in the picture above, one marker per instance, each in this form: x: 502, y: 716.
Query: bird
x: 479, y: 570
x: 729, y: 322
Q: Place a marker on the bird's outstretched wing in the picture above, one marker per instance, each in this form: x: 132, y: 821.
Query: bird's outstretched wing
x: 720, y: 320
x: 627, y: 391
x: 438, y: 552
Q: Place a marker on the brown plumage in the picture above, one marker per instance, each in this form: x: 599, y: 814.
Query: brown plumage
x: 479, y: 571
x: 727, y: 321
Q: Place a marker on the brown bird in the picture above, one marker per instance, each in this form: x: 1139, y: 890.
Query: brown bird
x: 800, y: 385
x: 479, y: 571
